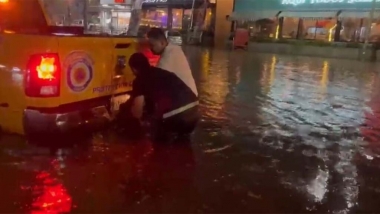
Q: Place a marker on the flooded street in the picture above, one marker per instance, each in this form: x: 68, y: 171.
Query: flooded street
x: 278, y: 134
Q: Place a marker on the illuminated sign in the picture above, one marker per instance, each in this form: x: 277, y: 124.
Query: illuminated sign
x: 155, y: 1
x: 115, y: 2
x: 172, y: 2
x: 298, y: 2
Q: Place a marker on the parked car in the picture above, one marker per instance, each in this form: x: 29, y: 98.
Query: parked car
x: 174, y: 37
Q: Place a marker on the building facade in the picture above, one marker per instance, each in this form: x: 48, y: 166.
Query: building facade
x: 328, y: 20
x: 176, y: 14
x: 114, y: 15
x: 224, y: 8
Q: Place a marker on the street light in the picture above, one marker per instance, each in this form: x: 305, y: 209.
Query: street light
x: 192, y: 14
x: 85, y: 18
x: 191, y: 22
x: 369, y: 27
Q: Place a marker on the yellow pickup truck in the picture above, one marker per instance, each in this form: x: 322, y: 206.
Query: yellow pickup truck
x: 54, y: 79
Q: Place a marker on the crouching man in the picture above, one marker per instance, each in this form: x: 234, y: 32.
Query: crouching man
x: 162, y: 103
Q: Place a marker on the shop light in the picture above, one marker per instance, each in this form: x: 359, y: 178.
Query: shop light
x: 8, y: 31
x: 4, y: 1
x: 277, y: 30
x: 330, y: 33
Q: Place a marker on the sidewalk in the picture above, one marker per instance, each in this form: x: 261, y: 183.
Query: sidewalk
x: 311, y: 50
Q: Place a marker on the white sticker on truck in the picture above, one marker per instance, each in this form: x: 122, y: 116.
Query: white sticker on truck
x: 79, y: 70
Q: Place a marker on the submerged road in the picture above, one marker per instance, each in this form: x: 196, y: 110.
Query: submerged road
x: 278, y: 134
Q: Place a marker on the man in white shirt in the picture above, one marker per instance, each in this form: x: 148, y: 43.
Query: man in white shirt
x: 172, y: 57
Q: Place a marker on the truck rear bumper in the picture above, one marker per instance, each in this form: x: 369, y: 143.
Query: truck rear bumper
x: 39, y: 123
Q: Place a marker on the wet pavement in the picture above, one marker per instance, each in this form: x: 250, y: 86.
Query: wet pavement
x: 278, y: 134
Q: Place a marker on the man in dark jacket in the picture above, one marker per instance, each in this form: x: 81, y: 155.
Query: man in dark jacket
x: 161, y: 98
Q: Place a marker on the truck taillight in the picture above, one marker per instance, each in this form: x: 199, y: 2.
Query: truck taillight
x: 43, y: 76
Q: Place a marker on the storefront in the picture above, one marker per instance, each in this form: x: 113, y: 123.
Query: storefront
x: 110, y: 16
x: 113, y: 16
x: 327, y: 20
x: 175, y: 14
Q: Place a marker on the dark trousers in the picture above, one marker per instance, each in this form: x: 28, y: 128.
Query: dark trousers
x: 177, y: 126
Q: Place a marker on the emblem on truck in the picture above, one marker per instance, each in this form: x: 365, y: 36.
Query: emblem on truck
x: 79, y: 70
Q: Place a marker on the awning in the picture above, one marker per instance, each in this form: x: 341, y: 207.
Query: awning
x: 253, y: 16
x: 315, y: 15
x: 358, y: 14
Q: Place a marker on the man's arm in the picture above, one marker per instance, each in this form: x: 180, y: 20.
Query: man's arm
x: 138, y: 102
x: 165, y: 63
x: 174, y: 61
x: 169, y: 60
x: 138, y: 106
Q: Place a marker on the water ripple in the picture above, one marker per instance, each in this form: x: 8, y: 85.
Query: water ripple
x: 277, y: 134
x: 285, y: 107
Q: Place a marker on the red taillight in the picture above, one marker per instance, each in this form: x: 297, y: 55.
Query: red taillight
x: 43, y: 76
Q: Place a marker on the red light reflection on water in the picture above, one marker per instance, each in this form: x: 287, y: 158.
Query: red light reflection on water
x: 53, y: 197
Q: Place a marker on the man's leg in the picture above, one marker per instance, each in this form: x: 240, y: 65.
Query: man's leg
x: 187, y: 121
x: 177, y: 127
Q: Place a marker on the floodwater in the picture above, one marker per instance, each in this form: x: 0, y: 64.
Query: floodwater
x: 278, y: 134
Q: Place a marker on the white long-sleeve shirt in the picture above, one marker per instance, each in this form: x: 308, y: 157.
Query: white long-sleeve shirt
x: 174, y: 60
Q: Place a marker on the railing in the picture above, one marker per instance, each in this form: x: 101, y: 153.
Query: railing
x: 106, y: 30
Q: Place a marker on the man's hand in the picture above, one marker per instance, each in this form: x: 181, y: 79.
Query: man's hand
x: 138, y: 107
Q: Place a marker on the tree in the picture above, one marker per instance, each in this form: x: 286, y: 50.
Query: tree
x: 135, y: 20
x: 56, y: 10
x: 199, y: 16
x: 68, y: 9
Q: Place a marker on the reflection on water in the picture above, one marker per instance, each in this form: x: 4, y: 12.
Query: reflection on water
x: 278, y: 134
x: 310, y: 111
x: 50, y: 195
x: 215, y: 83
x: 39, y: 187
